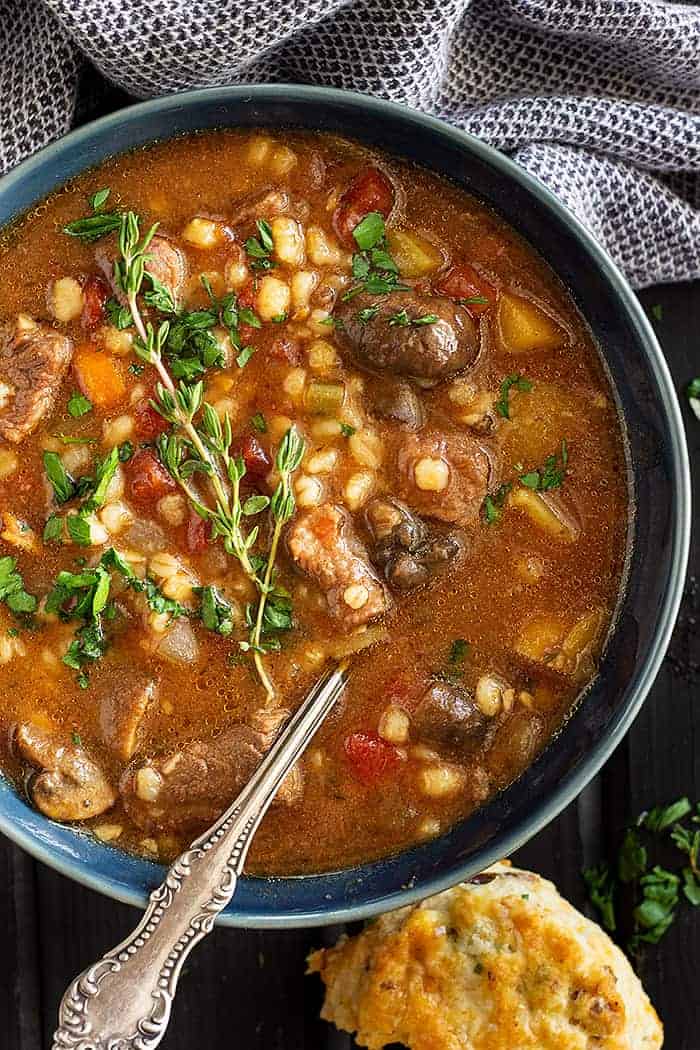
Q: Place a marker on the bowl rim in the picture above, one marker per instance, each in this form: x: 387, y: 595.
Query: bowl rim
x: 543, y: 811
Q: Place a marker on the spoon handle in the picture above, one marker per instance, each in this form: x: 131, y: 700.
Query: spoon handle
x: 123, y: 1002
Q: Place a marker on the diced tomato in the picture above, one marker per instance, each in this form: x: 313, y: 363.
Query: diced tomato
x: 148, y: 478
x: 287, y: 350
x: 370, y: 757
x: 257, y: 462
x: 99, y: 376
x: 464, y: 282
x: 370, y: 190
x: 198, y: 534
x: 149, y: 423
x: 95, y: 295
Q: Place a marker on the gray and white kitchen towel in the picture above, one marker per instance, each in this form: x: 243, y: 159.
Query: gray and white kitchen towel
x: 598, y: 98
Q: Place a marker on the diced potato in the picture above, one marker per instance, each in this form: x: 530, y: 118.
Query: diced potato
x: 273, y: 298
x: 524, y: 327
x: 259, y: 150
x: 172, y: 508
x: 546, y: 511
x: 394, y: 725
x: 322, y: 462
x: 303, y: 284
x: 441, y: 780
x: 322, y: 250
x: 288, y: 240
x: 576, y: 654
x: 322, y: 356
x: 277, y: 427
x: 116, y: 517
x: 358, y: 488
x: 308, y: 490
x: 66, y: 299
x: 9, y: 462
x: 236, y: 272
x: 282, y: 160
x: 294, y: 383
x: 540, y: 637
x: 115, y: 341
x: 366, y: 448
x: 76, y: 458
x: 17, y: 533
x: 116, y: 431
x: 203, y: 233
x: 414, y: 255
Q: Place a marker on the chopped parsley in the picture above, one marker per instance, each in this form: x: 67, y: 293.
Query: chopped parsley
x: 245, y: 355
x: 136, y: 369
x: 551, y: 475
x: 366, y: 315
x: 649, y: 894
x: 346, y: 430
x: 474, y: 300
x: 12, y: 590
x: 401, y: 320
x: 99, y: 199
x: 458, y: 650
x: 520, y: 383
x: 259, y: 423
x: 216, y: 613
x: 657, y: 311
x: 120, y: 317
x: 61, y: 482
x: 662, y: 817
x: 260, y: 248
x: 373, y: 268
x: 492, y: 506
x: 78, y: 405
x: 693, y: 394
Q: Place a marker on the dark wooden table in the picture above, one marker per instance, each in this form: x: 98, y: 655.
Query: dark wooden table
x: 247, y: 988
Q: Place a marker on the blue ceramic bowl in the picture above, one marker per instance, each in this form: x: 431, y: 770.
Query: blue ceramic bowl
x: 658, y: 475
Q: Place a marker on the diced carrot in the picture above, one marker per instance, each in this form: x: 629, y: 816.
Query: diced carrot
x: 370, y: 757
x: 465, y: 283
x: 370, y: 190
x: 99, y: 376
x: 95, y: 295
x: 148, y: 479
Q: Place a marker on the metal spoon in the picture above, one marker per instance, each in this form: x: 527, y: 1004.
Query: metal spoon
x: 123, y: 1002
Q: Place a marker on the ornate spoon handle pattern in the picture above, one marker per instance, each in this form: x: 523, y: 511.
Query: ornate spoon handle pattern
x: 123, y: 1002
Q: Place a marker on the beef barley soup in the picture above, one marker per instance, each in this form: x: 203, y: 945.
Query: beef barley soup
x: 267, y: 401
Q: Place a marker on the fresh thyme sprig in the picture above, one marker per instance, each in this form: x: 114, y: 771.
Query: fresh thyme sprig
x: 282, y: 504
x: 200, y: 441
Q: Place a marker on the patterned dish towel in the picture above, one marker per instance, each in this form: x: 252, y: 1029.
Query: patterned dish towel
x: 598, y: 98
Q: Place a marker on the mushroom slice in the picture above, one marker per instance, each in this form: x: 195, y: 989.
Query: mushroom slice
x: 68, y: 784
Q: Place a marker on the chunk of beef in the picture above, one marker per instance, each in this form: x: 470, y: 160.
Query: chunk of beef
x: 444, y: 476
x: 267, y: 205
x: 447, y: 715
x: 396, y: 400
x: 323, y: 543
x: 164, y: 261
x: 33, y: 361
x: 186, y: 790
x: 124, y: 696
x: 428, y: 352
x: 70, y: 785
x: 408, y: 552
